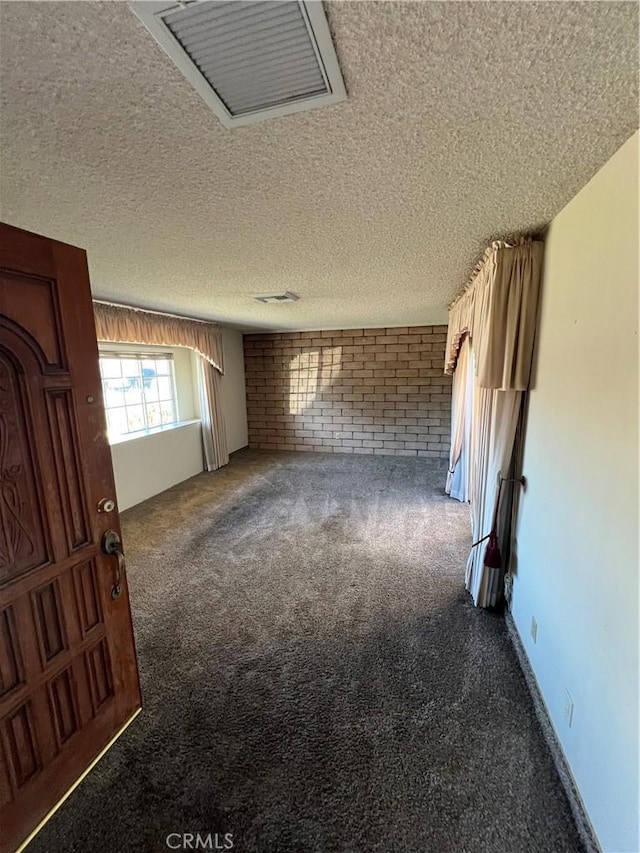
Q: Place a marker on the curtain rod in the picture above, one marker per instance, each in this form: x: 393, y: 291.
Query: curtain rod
x: 151, y: 311
x: 491, y: 248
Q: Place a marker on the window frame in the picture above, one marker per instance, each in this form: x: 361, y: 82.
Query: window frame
x: 139, y: 357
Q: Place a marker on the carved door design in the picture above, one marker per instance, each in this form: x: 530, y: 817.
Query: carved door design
x: 68, y: 671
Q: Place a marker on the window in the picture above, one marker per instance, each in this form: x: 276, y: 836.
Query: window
x: 139, y: 391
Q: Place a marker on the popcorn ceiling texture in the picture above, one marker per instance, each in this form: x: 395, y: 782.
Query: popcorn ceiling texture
x: 368, y: 391
x: 465, y: 122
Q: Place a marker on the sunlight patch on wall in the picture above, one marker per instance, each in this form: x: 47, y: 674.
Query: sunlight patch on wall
x: 309, y: 373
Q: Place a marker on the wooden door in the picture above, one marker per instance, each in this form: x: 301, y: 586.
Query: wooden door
x: 68, y: 670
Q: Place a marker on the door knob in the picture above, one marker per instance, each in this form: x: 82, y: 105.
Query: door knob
x: 112, y: 546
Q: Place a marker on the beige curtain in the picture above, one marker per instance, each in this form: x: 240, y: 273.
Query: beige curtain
x: 120, y: 323
x: 505, y: 316
x: 498, y: 310
x: 214, y: 433
x: 458, y: 476
x: 460, y: 322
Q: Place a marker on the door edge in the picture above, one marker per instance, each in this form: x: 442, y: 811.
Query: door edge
x: 68, y: 793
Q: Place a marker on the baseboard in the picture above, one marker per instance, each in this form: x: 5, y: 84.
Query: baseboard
x: 580, y: 816
x: 239, y: 450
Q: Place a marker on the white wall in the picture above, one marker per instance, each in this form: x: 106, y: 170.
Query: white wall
x: 234, y: 399
x: 149, y: 464
x: 578, y: 532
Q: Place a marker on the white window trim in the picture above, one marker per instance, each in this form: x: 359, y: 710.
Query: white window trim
x: 144, y: 433
x: 140, y: 352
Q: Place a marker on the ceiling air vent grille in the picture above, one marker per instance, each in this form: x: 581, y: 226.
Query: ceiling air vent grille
x: 249, y: 60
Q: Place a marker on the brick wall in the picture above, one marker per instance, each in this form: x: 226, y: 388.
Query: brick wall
x: 355, y: 391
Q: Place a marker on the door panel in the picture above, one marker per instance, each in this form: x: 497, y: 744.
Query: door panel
x: 68, y: 671
x: 22, y: 534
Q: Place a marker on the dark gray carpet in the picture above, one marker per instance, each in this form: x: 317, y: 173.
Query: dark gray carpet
x: 315, y: 677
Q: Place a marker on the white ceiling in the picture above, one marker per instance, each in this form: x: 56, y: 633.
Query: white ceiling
x: 465, y: 122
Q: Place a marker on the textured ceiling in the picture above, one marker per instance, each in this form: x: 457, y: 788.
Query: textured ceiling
x: 465, y: 122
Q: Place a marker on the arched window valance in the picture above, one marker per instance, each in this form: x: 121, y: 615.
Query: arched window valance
x: 499, y: 311
x: 122, y: 324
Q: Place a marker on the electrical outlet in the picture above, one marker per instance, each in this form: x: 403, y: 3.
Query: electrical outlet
x: 568, y: 708
x: 534, y: 629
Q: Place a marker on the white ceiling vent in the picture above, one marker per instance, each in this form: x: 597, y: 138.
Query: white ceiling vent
x: 277, y: 297
x: 249, y: 60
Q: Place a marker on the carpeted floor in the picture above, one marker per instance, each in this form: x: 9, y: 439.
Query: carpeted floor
x: 315, y: 678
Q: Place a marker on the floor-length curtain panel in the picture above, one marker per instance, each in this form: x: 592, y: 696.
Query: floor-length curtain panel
x: 458, y: 484
x: 214, y: 433
x: 499, y: 310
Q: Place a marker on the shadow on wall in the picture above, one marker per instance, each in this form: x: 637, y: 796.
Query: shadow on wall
x: 309, y: 374
x: 373, y: 391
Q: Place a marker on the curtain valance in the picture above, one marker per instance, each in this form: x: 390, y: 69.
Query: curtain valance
x: 121, y: 324
x: 499, y: 310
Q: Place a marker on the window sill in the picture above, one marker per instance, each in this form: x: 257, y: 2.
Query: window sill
x: 143, y: 433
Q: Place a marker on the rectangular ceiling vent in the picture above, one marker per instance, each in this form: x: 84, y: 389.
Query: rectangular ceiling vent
x: 277, y: 297
x: 249, y: 60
